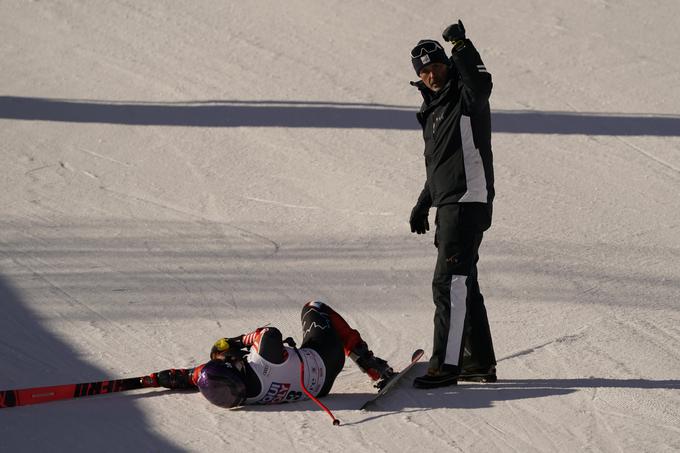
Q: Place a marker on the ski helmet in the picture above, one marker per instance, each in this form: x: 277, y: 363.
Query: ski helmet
x: 221, y: 384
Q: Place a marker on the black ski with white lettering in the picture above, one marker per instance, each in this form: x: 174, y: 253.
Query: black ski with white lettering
x: 392, y: 382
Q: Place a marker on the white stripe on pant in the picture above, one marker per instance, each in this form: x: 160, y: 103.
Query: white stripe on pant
x: 457, y: 319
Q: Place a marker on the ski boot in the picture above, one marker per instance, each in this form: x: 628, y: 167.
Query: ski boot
x: 376, y: 368
x: 177, y: 379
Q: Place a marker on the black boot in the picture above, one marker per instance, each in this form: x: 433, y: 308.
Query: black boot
x: 438, y: 377
x: 485, y: 375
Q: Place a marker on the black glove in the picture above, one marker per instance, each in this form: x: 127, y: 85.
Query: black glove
x: 418, y: 220
x: 454, y: 33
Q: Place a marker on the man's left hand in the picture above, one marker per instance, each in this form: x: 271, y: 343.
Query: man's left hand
x: 454, y: 32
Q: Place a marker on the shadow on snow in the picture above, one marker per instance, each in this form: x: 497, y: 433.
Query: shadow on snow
x: 34, y: 351
x: 404, y: 399
x: 319, y: 115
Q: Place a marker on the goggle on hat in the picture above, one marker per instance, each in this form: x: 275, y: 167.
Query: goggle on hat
x: 426, y: 52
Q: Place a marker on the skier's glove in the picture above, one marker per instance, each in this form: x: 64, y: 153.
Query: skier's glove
x: 418, y: 220
x: 226, y: 347
x: 455, y: 34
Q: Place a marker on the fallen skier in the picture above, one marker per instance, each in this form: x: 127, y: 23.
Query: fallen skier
x: 262, y: 368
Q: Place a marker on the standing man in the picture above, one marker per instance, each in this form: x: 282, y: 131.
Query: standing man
x: 456, y: 122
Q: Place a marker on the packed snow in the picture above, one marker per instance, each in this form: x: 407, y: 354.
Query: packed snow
x: 176, y: 172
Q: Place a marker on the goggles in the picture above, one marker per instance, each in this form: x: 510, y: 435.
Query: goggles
x: 425, y: 48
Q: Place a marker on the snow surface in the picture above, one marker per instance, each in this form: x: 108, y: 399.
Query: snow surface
x: 174, y: 172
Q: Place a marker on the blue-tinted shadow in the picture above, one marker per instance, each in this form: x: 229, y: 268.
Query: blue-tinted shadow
x: 319, y: 115
x: 31, y: 356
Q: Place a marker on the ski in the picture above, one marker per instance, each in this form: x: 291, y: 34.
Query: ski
x: 37, y: 395
x: 415, y: 357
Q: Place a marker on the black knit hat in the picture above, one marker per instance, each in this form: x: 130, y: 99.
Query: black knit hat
x: 427, y: 51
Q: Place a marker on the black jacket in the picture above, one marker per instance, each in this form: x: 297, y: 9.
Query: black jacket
x: 456, y: 124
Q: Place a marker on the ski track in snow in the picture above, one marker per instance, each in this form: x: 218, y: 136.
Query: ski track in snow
x: 650, y: 156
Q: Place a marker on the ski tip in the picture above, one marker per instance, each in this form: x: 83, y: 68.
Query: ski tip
x: 417, y: 354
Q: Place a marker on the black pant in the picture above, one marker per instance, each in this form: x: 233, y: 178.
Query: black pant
x: 319, y: 335
x: 461, y: 328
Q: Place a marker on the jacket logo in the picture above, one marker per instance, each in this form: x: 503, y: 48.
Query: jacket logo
x: 435, y: 122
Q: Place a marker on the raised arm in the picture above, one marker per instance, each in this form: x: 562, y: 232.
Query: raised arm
x: 475, y: 80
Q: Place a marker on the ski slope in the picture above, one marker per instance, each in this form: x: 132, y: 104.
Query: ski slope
x: 174, y: 172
